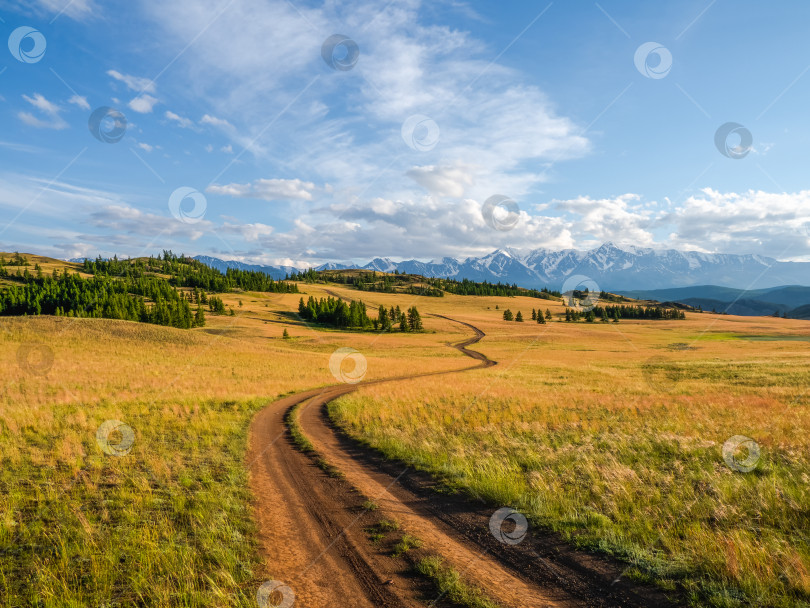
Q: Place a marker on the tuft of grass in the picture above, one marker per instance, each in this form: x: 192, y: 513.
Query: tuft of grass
x: 406, y: 543
x: 370, y: 505
x: 450, y: 585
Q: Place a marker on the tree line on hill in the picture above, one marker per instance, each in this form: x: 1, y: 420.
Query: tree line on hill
x: 604, y: 314
x: 187, y: 272
x: 336, y: 313
x: 144, y: 290
x: 66, y: 294
x: 434, y: 287
x: 466, y: 287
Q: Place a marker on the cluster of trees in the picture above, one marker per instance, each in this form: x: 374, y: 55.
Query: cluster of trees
x: 66, y: 294
x: 537, y: 315
x: 308, y: 276
x: 16, y: 260
x: 614, y: 313
x: 188, y: 272
x: 408, y: 321
x: 335, y: 312
x: 639, y: 312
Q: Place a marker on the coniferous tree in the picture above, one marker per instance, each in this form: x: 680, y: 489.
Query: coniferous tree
x: 414, y: 320
x: 541, y: 319
x: 519, y: 317
x: 199, y: 317
x: 534, y: 315
x: 548, y: 315
x: 507, y: 315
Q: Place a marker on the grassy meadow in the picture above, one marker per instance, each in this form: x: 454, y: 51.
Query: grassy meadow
x: 167, y: 522
x: 609, y: 433
x: 612, y: 435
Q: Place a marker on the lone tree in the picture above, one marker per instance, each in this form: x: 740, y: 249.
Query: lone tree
x: 519, y: 317
x: 286, y: 334
x: 507, y: 315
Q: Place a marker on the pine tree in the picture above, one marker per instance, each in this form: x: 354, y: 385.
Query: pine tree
x: 541, y: 319
x: 286, y: 334
x: 548, y: 315
x: 519, y: 317
x: 414, y: 320
x: 507, y: 315
x: 403, y: 321
x: 534, y: 315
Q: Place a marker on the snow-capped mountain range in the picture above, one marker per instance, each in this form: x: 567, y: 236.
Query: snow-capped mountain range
x: 611, y: 267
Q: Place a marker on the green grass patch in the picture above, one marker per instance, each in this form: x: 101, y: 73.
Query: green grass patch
x: 406, y: 543
x: 293, y: 425
x: 167, y: 524
x: 450, y: 585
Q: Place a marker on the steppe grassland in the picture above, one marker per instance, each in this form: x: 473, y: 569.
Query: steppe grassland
x: 611, y: 434
x: 169, y: 522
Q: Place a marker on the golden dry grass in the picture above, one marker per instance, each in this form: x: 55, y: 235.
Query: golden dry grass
x: 167, y: 523
x: 568, y: 427
x: 611, y: 434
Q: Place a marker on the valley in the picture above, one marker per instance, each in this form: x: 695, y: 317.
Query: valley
x: 610, y: 439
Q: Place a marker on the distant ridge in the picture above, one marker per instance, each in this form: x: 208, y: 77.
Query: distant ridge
x: 612, y: 267
x: 790, y: 300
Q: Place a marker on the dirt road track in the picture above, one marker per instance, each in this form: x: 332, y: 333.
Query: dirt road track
x: 311, y: 525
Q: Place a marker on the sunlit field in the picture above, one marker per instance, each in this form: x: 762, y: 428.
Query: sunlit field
x: 609, y: 433
x: 165, y: 521
x: 612, y: 434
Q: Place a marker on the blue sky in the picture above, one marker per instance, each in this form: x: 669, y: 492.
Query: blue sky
x: 288, y: 160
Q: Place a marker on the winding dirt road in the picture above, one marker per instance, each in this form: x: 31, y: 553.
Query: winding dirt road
x: 312, y: 525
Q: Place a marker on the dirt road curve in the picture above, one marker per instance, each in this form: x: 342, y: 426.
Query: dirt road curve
x: 313, y: 537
